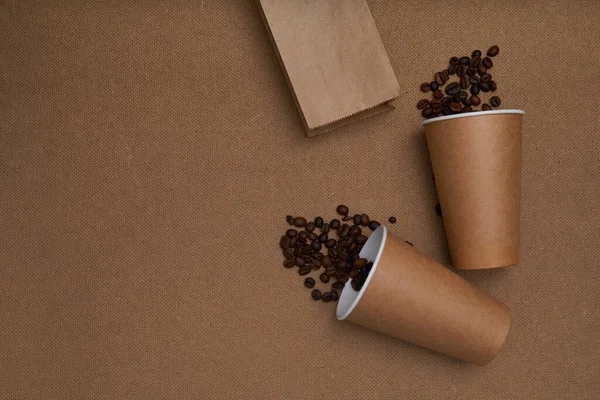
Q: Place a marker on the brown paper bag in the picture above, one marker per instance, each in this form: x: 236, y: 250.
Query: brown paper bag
x: 476, y: 159
x: 411, y: 297
x: 333, y: 59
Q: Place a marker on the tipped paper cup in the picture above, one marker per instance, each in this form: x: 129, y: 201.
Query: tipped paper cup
x: 411, y: 297
x: 476, y: 159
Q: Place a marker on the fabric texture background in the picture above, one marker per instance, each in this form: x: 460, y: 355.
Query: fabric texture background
x: 149, y: 152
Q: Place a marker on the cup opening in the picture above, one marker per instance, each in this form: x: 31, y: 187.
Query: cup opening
x: 472, y: 114
x: 371, y: 251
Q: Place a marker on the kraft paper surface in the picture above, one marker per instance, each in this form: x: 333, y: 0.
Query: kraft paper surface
x: 149, y: 152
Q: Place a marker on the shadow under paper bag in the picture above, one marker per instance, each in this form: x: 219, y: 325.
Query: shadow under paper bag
x: 411, y: 297
x: 476, y: 160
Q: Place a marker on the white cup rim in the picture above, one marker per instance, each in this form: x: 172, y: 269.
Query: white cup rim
x: 472, y: 114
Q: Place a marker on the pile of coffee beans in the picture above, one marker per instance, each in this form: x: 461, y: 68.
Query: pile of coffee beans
x: 472, y: 73
x: 330, y: 249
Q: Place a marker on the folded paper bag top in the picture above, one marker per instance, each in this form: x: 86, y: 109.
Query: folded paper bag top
x: 411, y: 297
x: 333, y: 58
x: 476, y: 160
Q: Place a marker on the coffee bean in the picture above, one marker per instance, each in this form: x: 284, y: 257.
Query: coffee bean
x: 481, y: 69
x: 322, y: 238
x: 300, y: 222
x: 475, y: 100
x: 309, y: 283
x: 324, y: 278
x: 484, y: 87
x: 316, y: 246
x: 464, y: 60
x: 471, y: 71
x: 326, y: 227
x: 361, y: 239
x: 310, y: 227
x: 319, y: 222
x: 316, y: 265
x: 330, y: 243
x: 288, y: 254
x: 305, y: 270
x: 493, y: 86
x: 466, y: 102
x: 466, y: 109
x: 313, y: 236
x: 434, y: 103
x: 452, y: 69
x: 344, y: 230
x: 437, y: 110
x: 433, y: 86
x: 326, y: 261
x: 392, y: 220
x: 302, y: 236
x: 476, y: 53
x: 474, y: 80
x: 356, y: 219
x: 438, y: 94
x: 364, y: 220
x: 455, y: 107
x: 486, y: 107
x: 461, y: 70
x: 475, y: 61
x: 284, y: 243
x: 355, y: 285
x: 425, y: 87
x: 427, y: 112
x: 495, y: 101
x: 334, y: 295
x: 445, y: 75
x: 360, y: 263
x: 446, y: 101
x: 326, y: 297
x: 462, y: 95
x: 288, y: 263
x: 422, y: 104
x: 486, y: 77
x: 438, y: 78
x: 347, y: 218
x: 316, y: 294
x: 332, y: 252
x: 338, y: 285
x: 475, y: 89
x: 454, y: 61
x: 342, y: 209
x: 335, y: 224
x: 487, y: 62
x: 353, y: 273
x: 299, y: 261
x: 340, y: 264
x: 438, y: 209
x: 446, y: 110
x: 493, y: 51
x: 316, y: 255
x: 291, y: 233
x: 355, y: 230
x: 453, y: 88
x: 289, y: 219
x: 374, y: 225
x: 464, y: 82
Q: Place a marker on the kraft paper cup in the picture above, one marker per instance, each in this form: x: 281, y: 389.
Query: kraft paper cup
x: 411, y: 297
x: 476, y: 159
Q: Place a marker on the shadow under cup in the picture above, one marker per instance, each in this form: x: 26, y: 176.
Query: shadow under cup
x: 411, y: 297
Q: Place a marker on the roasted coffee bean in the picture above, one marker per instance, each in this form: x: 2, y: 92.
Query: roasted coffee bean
x: 355, y: 231
x: 284, y: 243
x: 461, y: 70
x: 471, y: 71
x: 291, y: 233
x: 453, y: 88
x: 425, y: 87
x: 356, y: 219
x: 462, y: 95
x: 466, y: 109
x: 288, y: 254
x: 310, y: 227
x: 316, y: 255
x: 300, y: 222
x: 313, y: 236
x: 475, y: 89
x: 309, y: 283
x: 455, y: 107
x: 322, y: 238
x: 475, y: 100
x: 289, y: 219
x: 334, y: 295
x: 319, y: 222
x: 466, y: 102
x: 445, y: 75
x: 324, y: 278
x: 355, y: 285
x: 487, y: 62
x: 438, y: 78
x: 484, y: 87
x: 446, y: 100
x: 452, y: 69
x: 464, y: 82
x: 434, y: 103
x: 474, y: 80
x: 342, y: 209
x: 302, y: 235
x: 326, y: 297
x: 326, y: 261
x: 486, y: 107
x: 438, y: 94
x: 438, y: 209
x: 456, y: 98
x: 486, y: 77
x: 422, y: 104
x: 332, y: 252
x: 306, y: 251
x: 475, y: 61
x: 392, y: 220
x: 360, y: 263
x: 338, y: 285
x: 316, y: 264
x: 495, y: 101
x: 340, y: 263
x: 437, y: 110
x: 427, y: 112
x: 374, y: 225
x: 316, y: 246
x: 353, y: 273
x: 476, y: 53
x: 454, y: 61
x: 433, y: 86
x: 481, y: 69
x: 464, y: 60
x: 326, y: 227
x: 344, y: 230
x: 297, y: 251
x: 316, y: 294
x: 361, y: 239
x: 330, y: 243
x: 335, y: 224
x: 493, y: 51
x: 288, y: 263
x: 446, y: 110
x: 305, y: 270
x: 493, y: 86
x: 299, y: 261
x: 364, y: 220
x: 347, y: 218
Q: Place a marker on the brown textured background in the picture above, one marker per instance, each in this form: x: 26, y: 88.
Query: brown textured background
x: 149, y: 152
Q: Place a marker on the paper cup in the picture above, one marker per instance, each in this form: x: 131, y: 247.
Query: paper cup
x: 411, y: 297
x: 476, y: 159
